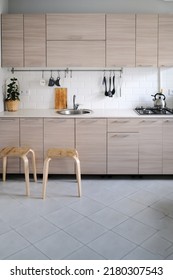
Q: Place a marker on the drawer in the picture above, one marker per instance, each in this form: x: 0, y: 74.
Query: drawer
x: 123, y: 125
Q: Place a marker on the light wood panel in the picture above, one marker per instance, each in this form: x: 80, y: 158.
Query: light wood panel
x: 12, y: 40
x: 59, y: 133
x: 146, y: 39
x: 31, y: 135
x: 9, y: 129
x: 168, y: 146
x: 76, y: 53
x: 122, y: 153
x: 75, y: 26
x: 123, y: 125
x: 91, y: 145
x: 166, y: 40
x: 150, y: 147
x: 120, y: 40
x: 35, y: 40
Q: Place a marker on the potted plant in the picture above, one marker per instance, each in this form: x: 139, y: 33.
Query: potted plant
x: 12, y: 99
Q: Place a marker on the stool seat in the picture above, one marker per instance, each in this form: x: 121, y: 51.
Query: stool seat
x: 54, y: 153
x: 21, y: 152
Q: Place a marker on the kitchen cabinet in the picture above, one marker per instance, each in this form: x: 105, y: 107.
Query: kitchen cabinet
x: 75, y: 27
x: 34, y: 127
x: 120, y: 40
x: 9, y: 128
x: 12, y: 40
x: 167, y: 146
x: 146, y: 39
x: 59, y: 133
x: 122, y: 146
x: 166, y: 40
x: 91, y: 145
x: 34, y: 40
x: 76, y: 53
x: 150, y: 146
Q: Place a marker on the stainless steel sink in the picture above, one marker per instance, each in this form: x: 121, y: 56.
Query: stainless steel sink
x: 74, y: 112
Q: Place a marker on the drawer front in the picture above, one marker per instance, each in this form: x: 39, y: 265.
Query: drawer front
x: 123, y: 125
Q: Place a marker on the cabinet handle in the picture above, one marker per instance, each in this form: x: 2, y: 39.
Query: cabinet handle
x: 9, y: 119
x: 125, y: 121
x: 120, y: 136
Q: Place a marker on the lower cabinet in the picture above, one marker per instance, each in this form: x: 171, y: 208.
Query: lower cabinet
x: 91, y: 145
x: 9, y: 128
x: 31, y: 134
x: 150, y: 146
x: 168, y: 146
x: 59, y: 133
x: 122, y: 146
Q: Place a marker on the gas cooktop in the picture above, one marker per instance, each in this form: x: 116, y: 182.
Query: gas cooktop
x: 153, y: 111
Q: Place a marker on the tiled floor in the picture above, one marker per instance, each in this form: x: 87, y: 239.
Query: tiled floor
x: 116, y: 218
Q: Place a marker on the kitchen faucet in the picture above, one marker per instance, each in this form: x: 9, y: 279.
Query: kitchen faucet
x: 75, y: 106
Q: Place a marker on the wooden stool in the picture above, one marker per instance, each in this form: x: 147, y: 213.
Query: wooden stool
x: 22, y: 153
x: 61, y: 153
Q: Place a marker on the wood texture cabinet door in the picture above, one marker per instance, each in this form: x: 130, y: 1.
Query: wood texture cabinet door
x: 91, y: 145
x: 34, y: 40
x: 150, y: 147
x: 168, y: 146
x: 122, y: 146
x: 166, y: 40
x: 146, y: 39
x: 122, y: 153
x: 12, y: 40
x: 9, y: 128
x: 59, y: 133
x: 120, y: 40
x: 31, y: 135
x: 76, y: 53
x: 75, y: 27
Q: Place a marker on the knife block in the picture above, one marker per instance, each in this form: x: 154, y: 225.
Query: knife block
x: 60, y: 98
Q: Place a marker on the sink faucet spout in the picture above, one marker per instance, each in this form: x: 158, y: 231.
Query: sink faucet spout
x: 75, y: 106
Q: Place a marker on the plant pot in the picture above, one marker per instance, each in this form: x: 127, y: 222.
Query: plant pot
x: 12, y: 105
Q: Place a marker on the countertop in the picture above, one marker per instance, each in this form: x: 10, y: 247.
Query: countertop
x: 97, y: 113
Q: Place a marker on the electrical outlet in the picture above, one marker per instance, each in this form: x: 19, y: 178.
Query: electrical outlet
x: 25, y: 92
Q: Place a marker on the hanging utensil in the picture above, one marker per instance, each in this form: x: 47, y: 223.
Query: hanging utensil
x: 105, y: 83
x: 109, y: 91
x: 113, y: 81
x: 57, y: 82
x: 120, y: 83
x: 42, y: 81
x: 51, y: 81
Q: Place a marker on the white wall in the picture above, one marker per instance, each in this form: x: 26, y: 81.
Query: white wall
x: 105, y: 6
x: 3, y: 9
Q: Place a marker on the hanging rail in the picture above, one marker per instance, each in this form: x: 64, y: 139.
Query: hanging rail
x: 67, y: 70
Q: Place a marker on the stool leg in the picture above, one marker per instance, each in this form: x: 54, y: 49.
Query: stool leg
x: 26, y: 168
x: 34, y: 165
x: 78, y: 175
x: 4, y: 168
x: 45, y: 176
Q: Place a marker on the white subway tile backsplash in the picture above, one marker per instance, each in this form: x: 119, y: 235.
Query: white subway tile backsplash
x: 137, y: 86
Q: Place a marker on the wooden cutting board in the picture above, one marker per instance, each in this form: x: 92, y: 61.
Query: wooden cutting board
x: 60, y: 98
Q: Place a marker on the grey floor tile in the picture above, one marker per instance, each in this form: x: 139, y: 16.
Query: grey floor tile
x: 58, y: 246
x: 108, y: 218
x: 105, y: 197
x: 4, y: 227
x: 29, y: 253
x: 165, y: 206
x: 10, y: 243
x: 151, y: 217
x: 85, y: 230
x: 134, y: 231
x: 86, y: 206
x: 158, y: 245
x: 145, y: 197
x: 127, y: 206
x: 64, y: 217
x: 37, y: 230
x: 111, y: 246
x: 141, y: 254
x: 84, y: 253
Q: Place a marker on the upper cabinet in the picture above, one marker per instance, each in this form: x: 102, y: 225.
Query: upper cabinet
x: 120, y: 40
x: 165, y: 40
x: 76, y: 40
x: 75, y: 27
x: 34, y: 40
x: 146, y: 39
x: 12, y: 40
